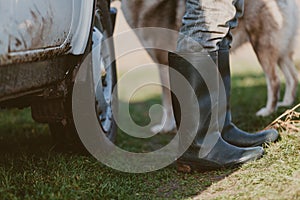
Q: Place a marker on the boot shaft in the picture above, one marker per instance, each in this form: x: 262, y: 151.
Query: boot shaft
x: 201, y: 73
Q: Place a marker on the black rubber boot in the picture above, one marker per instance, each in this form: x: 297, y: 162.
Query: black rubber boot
x: 208, y: 150
x: 230, y: 132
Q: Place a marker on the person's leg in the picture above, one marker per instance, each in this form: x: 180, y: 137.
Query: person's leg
x: 205, y: 25
x: 208, y: 150
x: 206, y: 22
x: 209, y: 22
x: 230, y: 132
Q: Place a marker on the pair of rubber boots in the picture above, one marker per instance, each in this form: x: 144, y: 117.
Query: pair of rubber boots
x: 217, y: 142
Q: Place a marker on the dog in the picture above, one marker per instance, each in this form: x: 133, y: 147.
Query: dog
x: 269, y: 25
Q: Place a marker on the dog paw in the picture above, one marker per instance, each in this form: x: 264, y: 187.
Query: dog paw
x: 163, y: 128
x: 264, y: 112
x: 284, y: 103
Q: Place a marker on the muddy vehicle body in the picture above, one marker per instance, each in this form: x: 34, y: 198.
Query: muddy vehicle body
x: 42, y: 44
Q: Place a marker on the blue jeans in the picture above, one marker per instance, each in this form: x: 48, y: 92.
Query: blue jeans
x: 208, y: 23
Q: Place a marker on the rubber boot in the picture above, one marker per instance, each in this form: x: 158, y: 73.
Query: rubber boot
x: 208, y: 150
x: 230, y: 132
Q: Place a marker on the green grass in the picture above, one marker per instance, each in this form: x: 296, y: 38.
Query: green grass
x: 31, y: 169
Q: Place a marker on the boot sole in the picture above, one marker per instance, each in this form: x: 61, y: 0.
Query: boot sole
x: 190, y: 166
x: 187, y: 166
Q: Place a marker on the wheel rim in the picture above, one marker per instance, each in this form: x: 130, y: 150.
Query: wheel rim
x: 103, y: 81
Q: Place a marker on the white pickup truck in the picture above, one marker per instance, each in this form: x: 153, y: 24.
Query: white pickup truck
x: 42, y: 44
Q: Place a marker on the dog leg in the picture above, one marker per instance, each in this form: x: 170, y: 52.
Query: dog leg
x: 167, y: 124
x: 273, y: 84
x: 291, y: 78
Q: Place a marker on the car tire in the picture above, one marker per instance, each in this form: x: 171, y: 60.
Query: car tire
x: 64, y: 132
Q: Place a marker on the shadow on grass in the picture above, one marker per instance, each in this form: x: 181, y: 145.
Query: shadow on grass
x: 30, y: 168
x: 30, y: 165
x: 20, y: 134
